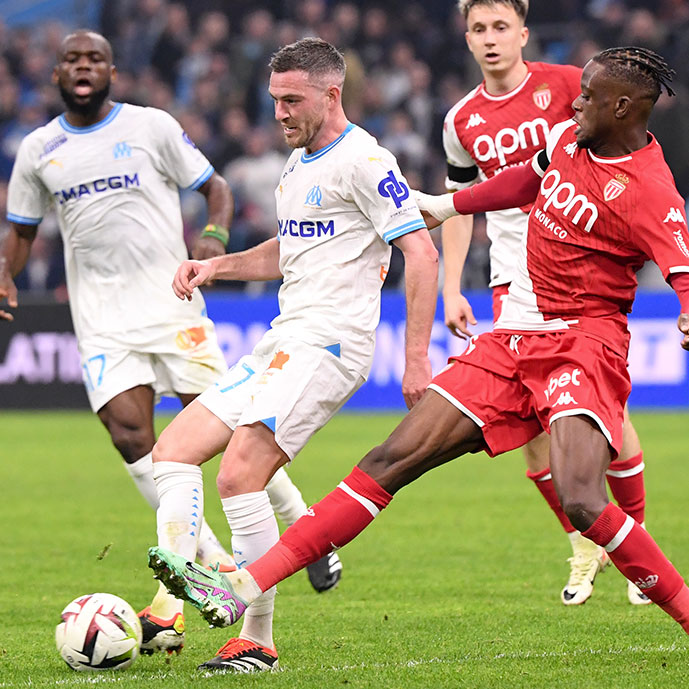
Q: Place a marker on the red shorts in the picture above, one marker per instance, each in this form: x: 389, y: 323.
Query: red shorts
x: 515, y: 386
x: 499, y: 296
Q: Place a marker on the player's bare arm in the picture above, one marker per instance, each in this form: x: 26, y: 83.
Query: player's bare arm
x: 214, y: 237
x: 13, y: 257
x: 421, y: 286
x: 456, y: 237
x: 258, y: 263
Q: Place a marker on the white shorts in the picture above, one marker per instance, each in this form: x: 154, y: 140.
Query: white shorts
x: 292, y: 387
x: 172, y: 362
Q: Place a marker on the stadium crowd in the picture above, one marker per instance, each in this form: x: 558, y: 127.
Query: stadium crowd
x: 206, y: 62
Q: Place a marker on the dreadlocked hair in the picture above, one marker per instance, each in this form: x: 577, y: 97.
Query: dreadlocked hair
x: 639, y: 66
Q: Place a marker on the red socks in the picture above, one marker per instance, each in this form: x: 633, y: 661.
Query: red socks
x: 626, y: 481
x: 639, y: 558
x: 331, y: 523
x: 544, y: 483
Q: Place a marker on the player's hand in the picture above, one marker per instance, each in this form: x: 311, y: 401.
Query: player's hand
x: 683, y: 325
x: 190, y: 275
x: 8, y: 291
x: 458, y: 315
x: 207, y: 247
x: 435, y: 209
x: 417, y: 376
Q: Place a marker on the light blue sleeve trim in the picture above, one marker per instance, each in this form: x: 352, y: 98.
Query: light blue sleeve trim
x: 21, y: 220
x: 404, y: 229
x: 205, y: 176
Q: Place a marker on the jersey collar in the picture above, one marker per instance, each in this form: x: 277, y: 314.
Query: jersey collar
x: 310, y: 157
x: 92, y: 127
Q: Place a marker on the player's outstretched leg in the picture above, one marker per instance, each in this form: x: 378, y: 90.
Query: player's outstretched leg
x: 587, y: 558
x: 288, y: 504
x: 207, y: 590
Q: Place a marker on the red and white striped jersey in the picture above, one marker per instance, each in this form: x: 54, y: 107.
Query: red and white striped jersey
x: 593, y: 225
x: 484, y: 134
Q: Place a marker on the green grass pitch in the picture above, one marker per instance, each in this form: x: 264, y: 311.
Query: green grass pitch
x: 455, y: 585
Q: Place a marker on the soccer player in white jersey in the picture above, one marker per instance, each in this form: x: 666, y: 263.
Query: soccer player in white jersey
x: 112, y: 172
x: 341, y: 202
x: 499, y: 124
x: 604, y: 202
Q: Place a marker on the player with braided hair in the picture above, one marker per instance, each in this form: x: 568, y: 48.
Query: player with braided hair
x: 501, y: 123
x: 639, y: 64
x: 604, y: 203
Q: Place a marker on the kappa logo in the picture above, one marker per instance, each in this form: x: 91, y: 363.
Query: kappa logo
x: 391, y: 187
x: 563, y: 380
x: 564, y: 399
x: 122, y: 150
x: 542, y: 97
x: 648, y: 583
x: 571, y: 149
x: 615, y: 187
x: 674, y: 215
x: 474, y: 120
x: 314, y: 197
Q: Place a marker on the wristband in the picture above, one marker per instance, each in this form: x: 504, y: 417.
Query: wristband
x: 217, y: 232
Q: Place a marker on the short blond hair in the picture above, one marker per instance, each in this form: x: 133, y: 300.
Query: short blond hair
x: 521, y: 7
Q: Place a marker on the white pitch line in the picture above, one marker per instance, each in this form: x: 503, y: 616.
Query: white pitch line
x: 89, y: 680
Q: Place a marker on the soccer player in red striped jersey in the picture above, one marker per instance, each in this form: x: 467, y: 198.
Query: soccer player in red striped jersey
x: 605, y: 202
x: 499, y: 124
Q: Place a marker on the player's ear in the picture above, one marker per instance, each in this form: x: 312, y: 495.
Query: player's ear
x: 622, y: 107
x: 113, y: 73
x: 524, y: 35
x: 55, y: 77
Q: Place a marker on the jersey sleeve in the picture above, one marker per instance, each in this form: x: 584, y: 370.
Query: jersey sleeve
x: 462, y: 170
x: 27, y: 197
x: 179, y: 158
x: 662, y: 233
x: 377, y: 186
x: 555, y: 135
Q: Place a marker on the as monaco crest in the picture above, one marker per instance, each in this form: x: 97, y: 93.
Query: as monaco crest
x: 542, y: 97
x: 615, y: 187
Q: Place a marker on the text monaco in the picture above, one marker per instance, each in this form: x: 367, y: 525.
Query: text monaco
x: 98, y: 186
x: 306, y: 228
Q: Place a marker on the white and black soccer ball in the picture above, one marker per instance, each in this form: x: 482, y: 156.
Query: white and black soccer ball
x: 98, y: 631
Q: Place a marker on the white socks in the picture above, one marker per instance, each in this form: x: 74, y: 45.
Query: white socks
x: 180, y: 514
x: 141, y: 472
x: 254, y: 532
x: 285, y: 498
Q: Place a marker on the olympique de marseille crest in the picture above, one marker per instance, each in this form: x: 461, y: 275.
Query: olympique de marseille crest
x: 542, y: 97
x: 615, y: 187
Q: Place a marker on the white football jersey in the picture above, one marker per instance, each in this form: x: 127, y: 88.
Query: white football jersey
x: 115, y: 187
x: 338, y: 210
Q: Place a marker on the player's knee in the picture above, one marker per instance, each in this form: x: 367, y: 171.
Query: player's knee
x: 131, y: 442
x: 164, y: 451
x: 582, y: 512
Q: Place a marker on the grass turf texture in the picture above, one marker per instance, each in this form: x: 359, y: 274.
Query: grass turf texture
x: 455, y: 585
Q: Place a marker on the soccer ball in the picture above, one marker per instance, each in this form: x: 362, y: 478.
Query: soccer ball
x: 98, y: 632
